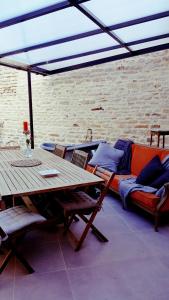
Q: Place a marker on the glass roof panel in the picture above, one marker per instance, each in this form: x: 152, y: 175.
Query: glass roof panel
x: 150, y: 44
x: 144, y: 30
x: 65, y: 49
x: 13, y: 8
x: 70, y: 21
x: 84, y: 59
x: 53, y: 26
x: 112, y: 12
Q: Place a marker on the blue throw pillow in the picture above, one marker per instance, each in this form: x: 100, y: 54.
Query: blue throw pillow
x: 107, y: 157
x: 150, y: 172
x: 160, y: 181
x: 165, y: 162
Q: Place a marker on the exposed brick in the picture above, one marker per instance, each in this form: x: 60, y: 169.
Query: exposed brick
x: 130, y: 97
x: 97, y: 108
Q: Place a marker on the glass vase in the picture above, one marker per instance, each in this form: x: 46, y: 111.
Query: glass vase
x: 28, y: 151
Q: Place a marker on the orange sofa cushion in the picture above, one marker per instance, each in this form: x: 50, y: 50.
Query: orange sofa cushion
x: 146, y: 200
x: 115, y: 183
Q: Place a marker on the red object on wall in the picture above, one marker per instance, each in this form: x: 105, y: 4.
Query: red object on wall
x: 25, y: 126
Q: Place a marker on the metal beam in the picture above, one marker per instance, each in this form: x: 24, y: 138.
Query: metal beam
x: 35, y: 70
x: 30, y: 109
x: 139, y: 20
x: 76, y: 55
x: 37, y: 13
x: 99, y: 24
x: 83, y: 54
x: 150, y: 39
x: 110, y: 59
x: 81, y: 35
x: 52, y: 43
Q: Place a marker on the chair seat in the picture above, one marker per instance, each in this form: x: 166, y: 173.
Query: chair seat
x: 77, y: 201
x: 18, y: 217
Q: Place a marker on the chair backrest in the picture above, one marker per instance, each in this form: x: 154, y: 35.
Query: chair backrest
x: 11, y: 145
x: 80, y: 158
x: 10, y: 148
x: 107, y: 176
x: 60, y: 151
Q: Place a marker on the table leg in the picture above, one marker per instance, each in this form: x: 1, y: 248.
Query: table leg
x: 163, y: 141
x: 158, y: 140
x: 151, y: 139
x: 29, y: 204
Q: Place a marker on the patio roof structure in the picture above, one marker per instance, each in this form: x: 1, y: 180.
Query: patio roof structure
x: 53, y: 36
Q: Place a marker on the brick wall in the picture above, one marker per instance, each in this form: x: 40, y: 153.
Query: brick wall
x: 120, y: 99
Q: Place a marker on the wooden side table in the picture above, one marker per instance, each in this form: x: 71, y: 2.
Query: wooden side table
x: 159, y: 133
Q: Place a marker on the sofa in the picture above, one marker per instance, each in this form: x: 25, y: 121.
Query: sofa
x: 140, y: 156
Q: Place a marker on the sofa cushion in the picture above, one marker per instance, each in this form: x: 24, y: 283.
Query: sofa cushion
x: 161, y: 180
x: 141, y: 155
x: 147, y: 200
x: 150, y: 172
x: 115, y: 182
x: 107, y: 157
x: 165, y: 162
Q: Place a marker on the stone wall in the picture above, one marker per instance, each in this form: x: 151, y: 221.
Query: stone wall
x: 119, y: 99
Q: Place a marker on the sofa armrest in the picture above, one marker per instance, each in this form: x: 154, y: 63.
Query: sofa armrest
x: 164, y: 201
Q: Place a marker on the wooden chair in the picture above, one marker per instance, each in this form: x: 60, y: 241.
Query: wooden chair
x: 80, y: 158
x: 60, y: 151
x: 81, y: 204
x: 14, y: 222
x: 11, y: 145
x: 17, y: 147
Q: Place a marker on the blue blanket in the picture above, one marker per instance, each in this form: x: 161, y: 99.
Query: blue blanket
x: 126, y: 186
x: 124, y: 166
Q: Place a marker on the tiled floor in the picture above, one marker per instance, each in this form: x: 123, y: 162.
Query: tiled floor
x: 133, y: 265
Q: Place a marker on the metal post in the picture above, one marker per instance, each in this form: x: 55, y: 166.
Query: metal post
x: 30, y: 109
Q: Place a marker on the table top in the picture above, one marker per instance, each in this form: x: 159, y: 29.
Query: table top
x: 159, y: 131
x: 20, y: 181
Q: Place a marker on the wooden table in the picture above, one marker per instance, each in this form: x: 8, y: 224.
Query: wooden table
x: 23, y: 181
x: 159, y: 133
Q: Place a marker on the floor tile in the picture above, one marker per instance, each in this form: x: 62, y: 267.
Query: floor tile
x: 157, y: 242
x: 120, y: 247
x: 49, y: 286
x: 111, y: 225
x: 45, y: 257
x: 6, y: 289
x: 137, y: 221
x: 133, y: 265
x: 147, y: 278
x: 99, y: 282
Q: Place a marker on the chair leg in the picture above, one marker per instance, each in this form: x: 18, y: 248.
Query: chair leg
x: 85, y: 232
x: 76, y: 219
x: 156, y: 222
x: 6, y: 260
x: 67, y: 223
x: 20, y: 257
x: 95, y: 231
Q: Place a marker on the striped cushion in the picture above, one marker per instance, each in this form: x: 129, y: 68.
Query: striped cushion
x: 17, y: 218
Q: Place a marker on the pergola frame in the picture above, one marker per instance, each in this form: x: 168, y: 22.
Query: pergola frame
x: 37, y: 67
